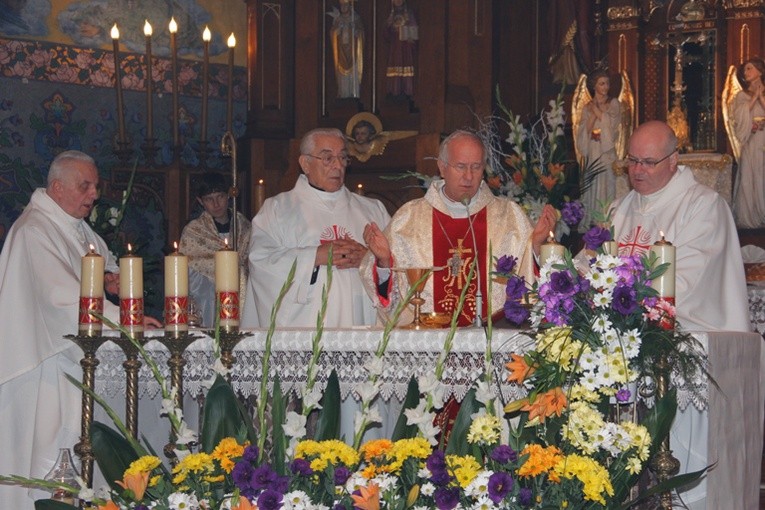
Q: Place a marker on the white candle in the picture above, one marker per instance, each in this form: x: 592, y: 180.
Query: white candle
x: 206, y: 36
x: 91, y: 293
x: 610, y: 248
x: 131, y: 293
x: 173, y: 27
x: 227, y: 288
x: 550, y: 248
x: 665, y: 253
x: 115, y: 33
x: 230, y: 99
x: 147, y: 31
x: 176, y: 292
x: 260, y: 195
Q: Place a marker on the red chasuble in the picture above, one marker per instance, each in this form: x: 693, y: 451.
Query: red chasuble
x: 454, y: 250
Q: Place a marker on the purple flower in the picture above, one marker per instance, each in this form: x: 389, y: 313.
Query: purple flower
x: 250, y: 453
x: 446, y: 498
x: 436, y: 461
x: 524, y: 496
x: 301, y: 467
x: 562, y: 283
x: 503, y: 454
x: 341, y: 475
x: 141, y: 507
x: 624, y: 300
x: 623, y: 395
x: 263, y: 476
x: 515, y: 312
x: 242, y: 475
x: 515, y: 288
x: 270, y: 500
x: 572, y: 212
x: 500, y: 484
x: 506, y: 264
x: 440, y: 478
x: 595, y: 237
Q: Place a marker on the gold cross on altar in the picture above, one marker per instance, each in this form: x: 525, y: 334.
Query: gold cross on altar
x: 455, y: 262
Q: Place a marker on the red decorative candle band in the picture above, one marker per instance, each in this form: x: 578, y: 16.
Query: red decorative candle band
x: 229, y: 305
x: 91, y: 304
x: 176, y: 310
x: 131, y: 311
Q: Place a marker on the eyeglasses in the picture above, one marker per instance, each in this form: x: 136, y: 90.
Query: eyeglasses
x: 327, y: 159
x: 647, y: 162
x: 462, y: 167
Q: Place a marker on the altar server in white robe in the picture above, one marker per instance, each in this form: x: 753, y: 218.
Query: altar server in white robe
x: 40, y: 269
x: 302, y: 224
x: 458, y: 220
x: 710, y: 285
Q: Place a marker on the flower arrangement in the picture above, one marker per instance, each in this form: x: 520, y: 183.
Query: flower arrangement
x: 595, y: 333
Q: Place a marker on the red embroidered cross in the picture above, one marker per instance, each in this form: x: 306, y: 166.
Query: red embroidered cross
x: 636, y: 242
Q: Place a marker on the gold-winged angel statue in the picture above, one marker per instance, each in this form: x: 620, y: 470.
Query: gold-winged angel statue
x: 602, y: 125
x: 743, y: 108
x: 366, y: 138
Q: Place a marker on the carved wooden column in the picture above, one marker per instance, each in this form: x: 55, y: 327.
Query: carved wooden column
x: 745, y: 29
x: 622, y: 25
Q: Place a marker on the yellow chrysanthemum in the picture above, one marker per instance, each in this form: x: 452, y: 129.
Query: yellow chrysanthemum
x: 464, y: 468
x: 144, y: 464
x: 485, y: 429
x: 227, y: 449
x: 375, y: 448
x: 541, y: 460
x: 559, y: 347
x: 197, y: 463
x: 593, y: 476
x: 324, y: 453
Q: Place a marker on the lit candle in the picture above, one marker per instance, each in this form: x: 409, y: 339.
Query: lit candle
x: 131, y: 293
x: 360, y: 189
x: 91, y: 293
x: 260, y: 195
x: 176, y: 292
x: 173, y: 27
x: 206, y: 36
x: 665, y: 253
x: 611, y: 248
x: 227, y: 288
x: 149, y: 82
x: 550, y: 248
x: 118, y: 83
x: 230, y: 105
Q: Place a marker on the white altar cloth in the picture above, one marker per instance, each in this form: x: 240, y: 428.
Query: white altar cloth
x: 732, y: 416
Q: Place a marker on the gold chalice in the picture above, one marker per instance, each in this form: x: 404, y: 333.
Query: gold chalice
x: 417, y: 279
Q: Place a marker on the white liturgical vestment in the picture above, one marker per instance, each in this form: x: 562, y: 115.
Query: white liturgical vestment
x: 710, y: 285
x: 289, y: 227
x: 40, y: 269
x: 411, y: 237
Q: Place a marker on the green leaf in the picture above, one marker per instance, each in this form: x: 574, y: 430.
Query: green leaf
x: 112, y: 452
x: 665, y: 486
x: 412, y: 399
x: 51, y: 504
x: 278, y: 416
x: 328, y: 425
x: 458, y: 444
x: 224, y: 416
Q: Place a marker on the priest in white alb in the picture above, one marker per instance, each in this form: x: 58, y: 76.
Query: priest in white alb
x: 710, y: 288
x: 302, y: 225
x: 40, y: 269
x: 458, y: 220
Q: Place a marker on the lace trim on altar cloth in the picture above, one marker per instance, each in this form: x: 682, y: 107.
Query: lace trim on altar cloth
x: 409, y: 353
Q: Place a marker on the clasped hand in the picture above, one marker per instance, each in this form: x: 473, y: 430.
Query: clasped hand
x: 346, y: 253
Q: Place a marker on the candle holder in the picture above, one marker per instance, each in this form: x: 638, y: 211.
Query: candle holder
x: 227, y: 341
x: 131, y: 365
x: 176, y: 343
x: 663, y: 463
x: 89, y: 362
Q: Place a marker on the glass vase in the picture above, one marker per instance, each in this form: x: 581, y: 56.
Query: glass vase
x: 64, y: 472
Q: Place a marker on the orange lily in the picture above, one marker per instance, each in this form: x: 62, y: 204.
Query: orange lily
x: 109, y: 505
x: 556, y: 168
x: 518, y: 368
x: 547, y: 404
x: 135, y: 482
x: 369, y: 498
x: 494, y: 182
x: 244, y: 504
x: 548, y: 181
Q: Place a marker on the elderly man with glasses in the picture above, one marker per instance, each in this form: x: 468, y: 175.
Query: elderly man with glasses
x: 302, y: 225
x: 456, y: 222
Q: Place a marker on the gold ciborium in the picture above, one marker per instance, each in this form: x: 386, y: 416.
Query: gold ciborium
x: 416, y: 278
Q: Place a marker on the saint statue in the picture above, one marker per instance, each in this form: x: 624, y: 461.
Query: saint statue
x: 347, y: 37
x: 402, y: 35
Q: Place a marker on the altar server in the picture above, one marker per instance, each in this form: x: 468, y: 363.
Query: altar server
x: 710, y: 286
x: 302, y: 224
x: 40, y: 268
x: 456, y: 221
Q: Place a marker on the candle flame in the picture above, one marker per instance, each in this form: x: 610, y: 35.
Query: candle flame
x: 260, y: 182
x: 175, y: 245
x: 661, y: 233
x: 173, y: 26
x: 147, y: 29
x: 206, y: 35
x: 231, y: 40
x: 225, y: 241
x: 360, y: 186
x: 115, y: 32
x: 92, y: 249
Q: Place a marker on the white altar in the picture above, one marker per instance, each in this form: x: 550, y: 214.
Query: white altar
x: 733, y: 414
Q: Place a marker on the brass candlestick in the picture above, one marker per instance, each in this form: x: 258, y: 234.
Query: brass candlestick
x: 131, y: 365
x: 228, y: 340
x: 663, y: 464
x: 89, y: 362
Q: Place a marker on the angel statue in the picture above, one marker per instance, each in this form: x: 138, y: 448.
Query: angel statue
x: 365, y: 137
x: 743, y: 109
x: 602, y: 125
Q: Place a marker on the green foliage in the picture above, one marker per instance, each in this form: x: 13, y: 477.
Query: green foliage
x: 458, y: 443
x: 224, y: 416
x: 412, y: 398
x: 113, y: 453
x: 328, y: 425
x: 50, y: 504
x: 278, y: 414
